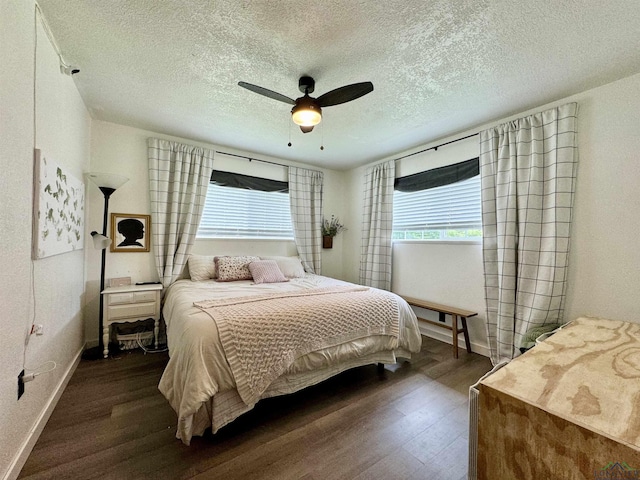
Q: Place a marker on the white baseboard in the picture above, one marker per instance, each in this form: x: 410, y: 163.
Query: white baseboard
x: 32, y: 437
x: 445, y: 336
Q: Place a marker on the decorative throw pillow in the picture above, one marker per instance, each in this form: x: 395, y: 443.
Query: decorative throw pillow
x: 201, y: 267
x: 230, y: 269
x: 291, y: 267
x: 266, y: 271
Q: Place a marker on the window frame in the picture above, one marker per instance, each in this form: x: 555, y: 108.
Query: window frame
x: 435, y: 183
x: 235, y: 187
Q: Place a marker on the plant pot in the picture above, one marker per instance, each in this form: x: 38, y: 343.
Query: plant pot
x: 327, y: 242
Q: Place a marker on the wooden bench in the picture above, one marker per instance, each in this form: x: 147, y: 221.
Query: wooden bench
x: 446, y: 310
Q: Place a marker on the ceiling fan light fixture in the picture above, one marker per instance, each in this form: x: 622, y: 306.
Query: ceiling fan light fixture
x: 306, y: 113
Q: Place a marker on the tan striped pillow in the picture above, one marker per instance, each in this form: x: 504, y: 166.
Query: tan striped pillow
x: 201, y: 267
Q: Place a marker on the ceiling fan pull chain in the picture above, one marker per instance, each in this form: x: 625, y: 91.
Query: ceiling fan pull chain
x: 322, y: 136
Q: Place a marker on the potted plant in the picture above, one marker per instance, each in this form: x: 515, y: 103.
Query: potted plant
x: 330, y: 228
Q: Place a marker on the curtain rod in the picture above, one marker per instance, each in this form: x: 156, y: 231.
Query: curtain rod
x: 251, y: 159
x: 436, y: 147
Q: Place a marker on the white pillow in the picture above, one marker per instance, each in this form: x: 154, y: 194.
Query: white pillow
x: 291, y: 267
x: 201, y: 267
x: 266, y: 271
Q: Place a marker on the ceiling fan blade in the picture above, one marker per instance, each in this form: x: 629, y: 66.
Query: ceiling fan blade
x: 267, y: 93
x: 345, y: 94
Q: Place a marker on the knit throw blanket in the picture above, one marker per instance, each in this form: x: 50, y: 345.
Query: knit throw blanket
x: 263, y: 335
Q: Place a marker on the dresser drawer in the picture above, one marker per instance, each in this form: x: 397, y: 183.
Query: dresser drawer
x: 131, y: 297
x: 115, y: 312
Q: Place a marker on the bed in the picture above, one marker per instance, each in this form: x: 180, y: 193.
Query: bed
x: 228, y: 349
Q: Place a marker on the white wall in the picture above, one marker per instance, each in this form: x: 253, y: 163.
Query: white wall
x: 441, y: 272
x: 333, y: 195
x: 34, y: 291
x: 123, y: 150
x: 604, y: 260
x: 448, y: 273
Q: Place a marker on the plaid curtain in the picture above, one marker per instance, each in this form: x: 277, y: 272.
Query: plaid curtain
x: 377, y: 225
x: 178, y: 180
x: 305, y: 196
x: 528, y: 172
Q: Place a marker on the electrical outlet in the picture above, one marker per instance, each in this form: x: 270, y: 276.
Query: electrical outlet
x: 20, y: 384
x: 37, y: 329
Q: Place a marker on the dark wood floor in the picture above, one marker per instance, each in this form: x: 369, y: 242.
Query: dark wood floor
x: 408, y: 422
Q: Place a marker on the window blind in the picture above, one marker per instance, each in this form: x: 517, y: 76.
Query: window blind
x: 237, y: 180
x: 241, y: 213
x: 454, y: 206
x: 437, y: 177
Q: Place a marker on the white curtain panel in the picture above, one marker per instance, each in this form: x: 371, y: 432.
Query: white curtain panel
x: 377, y: 225
x: 178, y: 179
x: 305, y: 196
x: 528, y: 173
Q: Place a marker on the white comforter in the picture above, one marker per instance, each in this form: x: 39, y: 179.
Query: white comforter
x: 198, y: 382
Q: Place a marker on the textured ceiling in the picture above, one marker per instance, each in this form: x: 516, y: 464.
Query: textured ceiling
x: 438, y: 67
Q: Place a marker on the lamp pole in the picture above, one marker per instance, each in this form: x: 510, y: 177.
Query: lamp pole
x: 107, y: 183
x: 107, y: 193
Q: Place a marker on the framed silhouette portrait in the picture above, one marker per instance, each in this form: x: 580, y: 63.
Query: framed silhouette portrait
x: 130, y: 232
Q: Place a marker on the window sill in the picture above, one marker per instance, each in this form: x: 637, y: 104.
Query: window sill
x: 257, y: 239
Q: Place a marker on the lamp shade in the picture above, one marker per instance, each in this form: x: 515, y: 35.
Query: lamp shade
x: 107, y: 180
x: 306, y: 112
x: 100, y: 242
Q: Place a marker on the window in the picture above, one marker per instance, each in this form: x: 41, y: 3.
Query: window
x: 236, y: 212
x: 448, y: 212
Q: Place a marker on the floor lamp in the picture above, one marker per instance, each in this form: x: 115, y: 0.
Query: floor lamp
x: 107, y: 183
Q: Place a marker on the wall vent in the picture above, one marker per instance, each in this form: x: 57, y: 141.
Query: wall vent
x: 474, y: 411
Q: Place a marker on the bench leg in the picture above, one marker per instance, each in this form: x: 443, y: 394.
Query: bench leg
x: 466, y: 334
x: 454, y: 329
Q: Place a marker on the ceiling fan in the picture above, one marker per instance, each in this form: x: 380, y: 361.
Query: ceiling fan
x: 307, y: 111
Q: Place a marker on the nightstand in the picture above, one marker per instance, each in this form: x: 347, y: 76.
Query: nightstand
x: 130, y: 303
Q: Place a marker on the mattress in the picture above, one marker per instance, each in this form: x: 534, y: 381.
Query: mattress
x: 198, y: 381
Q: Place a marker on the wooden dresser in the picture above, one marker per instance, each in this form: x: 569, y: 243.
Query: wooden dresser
x: 567, y: 409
